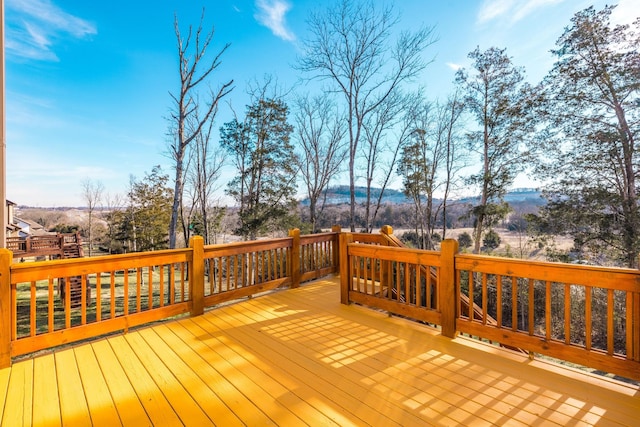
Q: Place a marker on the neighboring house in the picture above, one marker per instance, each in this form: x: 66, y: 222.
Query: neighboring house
x: 18, y: 227
x: 29, y: 228
x: 12, y: 228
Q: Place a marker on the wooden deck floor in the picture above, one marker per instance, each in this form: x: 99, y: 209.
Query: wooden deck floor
x: 298, y: 357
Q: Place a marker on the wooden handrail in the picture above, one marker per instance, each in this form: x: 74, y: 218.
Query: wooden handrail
x: 142, y: 287
x: 470, y: 276
x: 137, y: 288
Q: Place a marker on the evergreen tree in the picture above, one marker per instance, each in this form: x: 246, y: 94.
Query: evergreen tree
x: 496, y: 96
x: 261, y: 150
x: 147, y: 218
x: 591, y: 105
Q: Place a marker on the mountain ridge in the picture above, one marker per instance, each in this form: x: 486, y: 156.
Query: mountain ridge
x: 341, y: 194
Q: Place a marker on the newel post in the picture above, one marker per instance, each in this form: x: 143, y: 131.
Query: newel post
x: 345, y: 273
x: 196, y: 275
x: 6, y: 322
x: 295, y: 257
x: 385, y: 266
x: 336, y: 248
x: 447, y: 295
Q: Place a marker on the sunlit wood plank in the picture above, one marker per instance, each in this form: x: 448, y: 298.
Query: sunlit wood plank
x: 101, y: 406
x: 73, y: 405
x: 45, y: 392
x: 18, y: 405
x: 182, y: 403
x: 155, y: 403
x: 126, y: 400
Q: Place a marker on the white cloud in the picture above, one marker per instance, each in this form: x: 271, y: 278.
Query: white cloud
x: 510, y: 10
x: 626, y: 12
x: 33, y: 27
x: 271, y: 14
x: 454, y: 67
x: 492, y: 9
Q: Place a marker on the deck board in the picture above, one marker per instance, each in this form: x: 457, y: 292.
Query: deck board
x: 155, y: 403
x: 230, y: 403
x: 209, y: 404
x: 99, y: 400
x: 128, y: 405
x: 298, y: 357
x: 19, y: 400
x: 46, y: 391
x: 74, y: 409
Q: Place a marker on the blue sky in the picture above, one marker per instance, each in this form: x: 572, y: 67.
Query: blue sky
x: 88, y: 82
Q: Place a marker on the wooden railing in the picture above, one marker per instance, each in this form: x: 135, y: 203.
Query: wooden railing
x: 42, y: 245
x: 552, y: 309
x: 582, y: 314
x: 558, y: 310
x: 122, y: 291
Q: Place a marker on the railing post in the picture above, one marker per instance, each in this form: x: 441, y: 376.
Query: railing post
x: 345, y: 273
x: 447, y: 295
x: 634, y: 325
x: 385, y: 266
x: 196, y: 275
x: 6, y: 322
x: 295, y: 257
x: 336, y: 248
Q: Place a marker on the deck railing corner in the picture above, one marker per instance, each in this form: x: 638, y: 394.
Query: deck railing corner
x: 196, y: 275
x: 295, y: 257
x: 6, y: 258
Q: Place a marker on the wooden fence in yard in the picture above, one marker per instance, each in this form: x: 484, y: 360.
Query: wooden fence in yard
x: 552, y: 309
x: 47, y: 245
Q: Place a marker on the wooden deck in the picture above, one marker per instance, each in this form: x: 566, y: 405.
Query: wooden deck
x: 299, y: 357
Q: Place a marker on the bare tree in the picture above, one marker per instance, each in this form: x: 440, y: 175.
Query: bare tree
x: 381, y: 147
x: 351, y: 48
x: 320, y: 133
x: 92, y: 195
x: 449, y: 116
x: 191, y: 59
x: 203, y: 179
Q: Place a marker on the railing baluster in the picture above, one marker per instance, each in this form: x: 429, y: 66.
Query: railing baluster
x: 499, y: 301
x: 32, y: 309
x: 67, y: 302
x: 126, y: 292
x: 587, y: 317
x: 484, y: 299
x: 50, y: 305
x: 514, y: 303
x: 610, y: 319
x: 113, y: 294
x: 397, y: 266
x: 161, y: 284
x: 83, y: 299
x: 407, y: 285
x: 139, y: 292
x: 547, y: 317
x: 150, y: 285
x: 567, y: 313
x: 418, y: 287
x: 171, y: 291
x: 530, y: 308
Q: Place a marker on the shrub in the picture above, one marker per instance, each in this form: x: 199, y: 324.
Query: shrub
x: 491, y: 240
x: 465, y: 240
